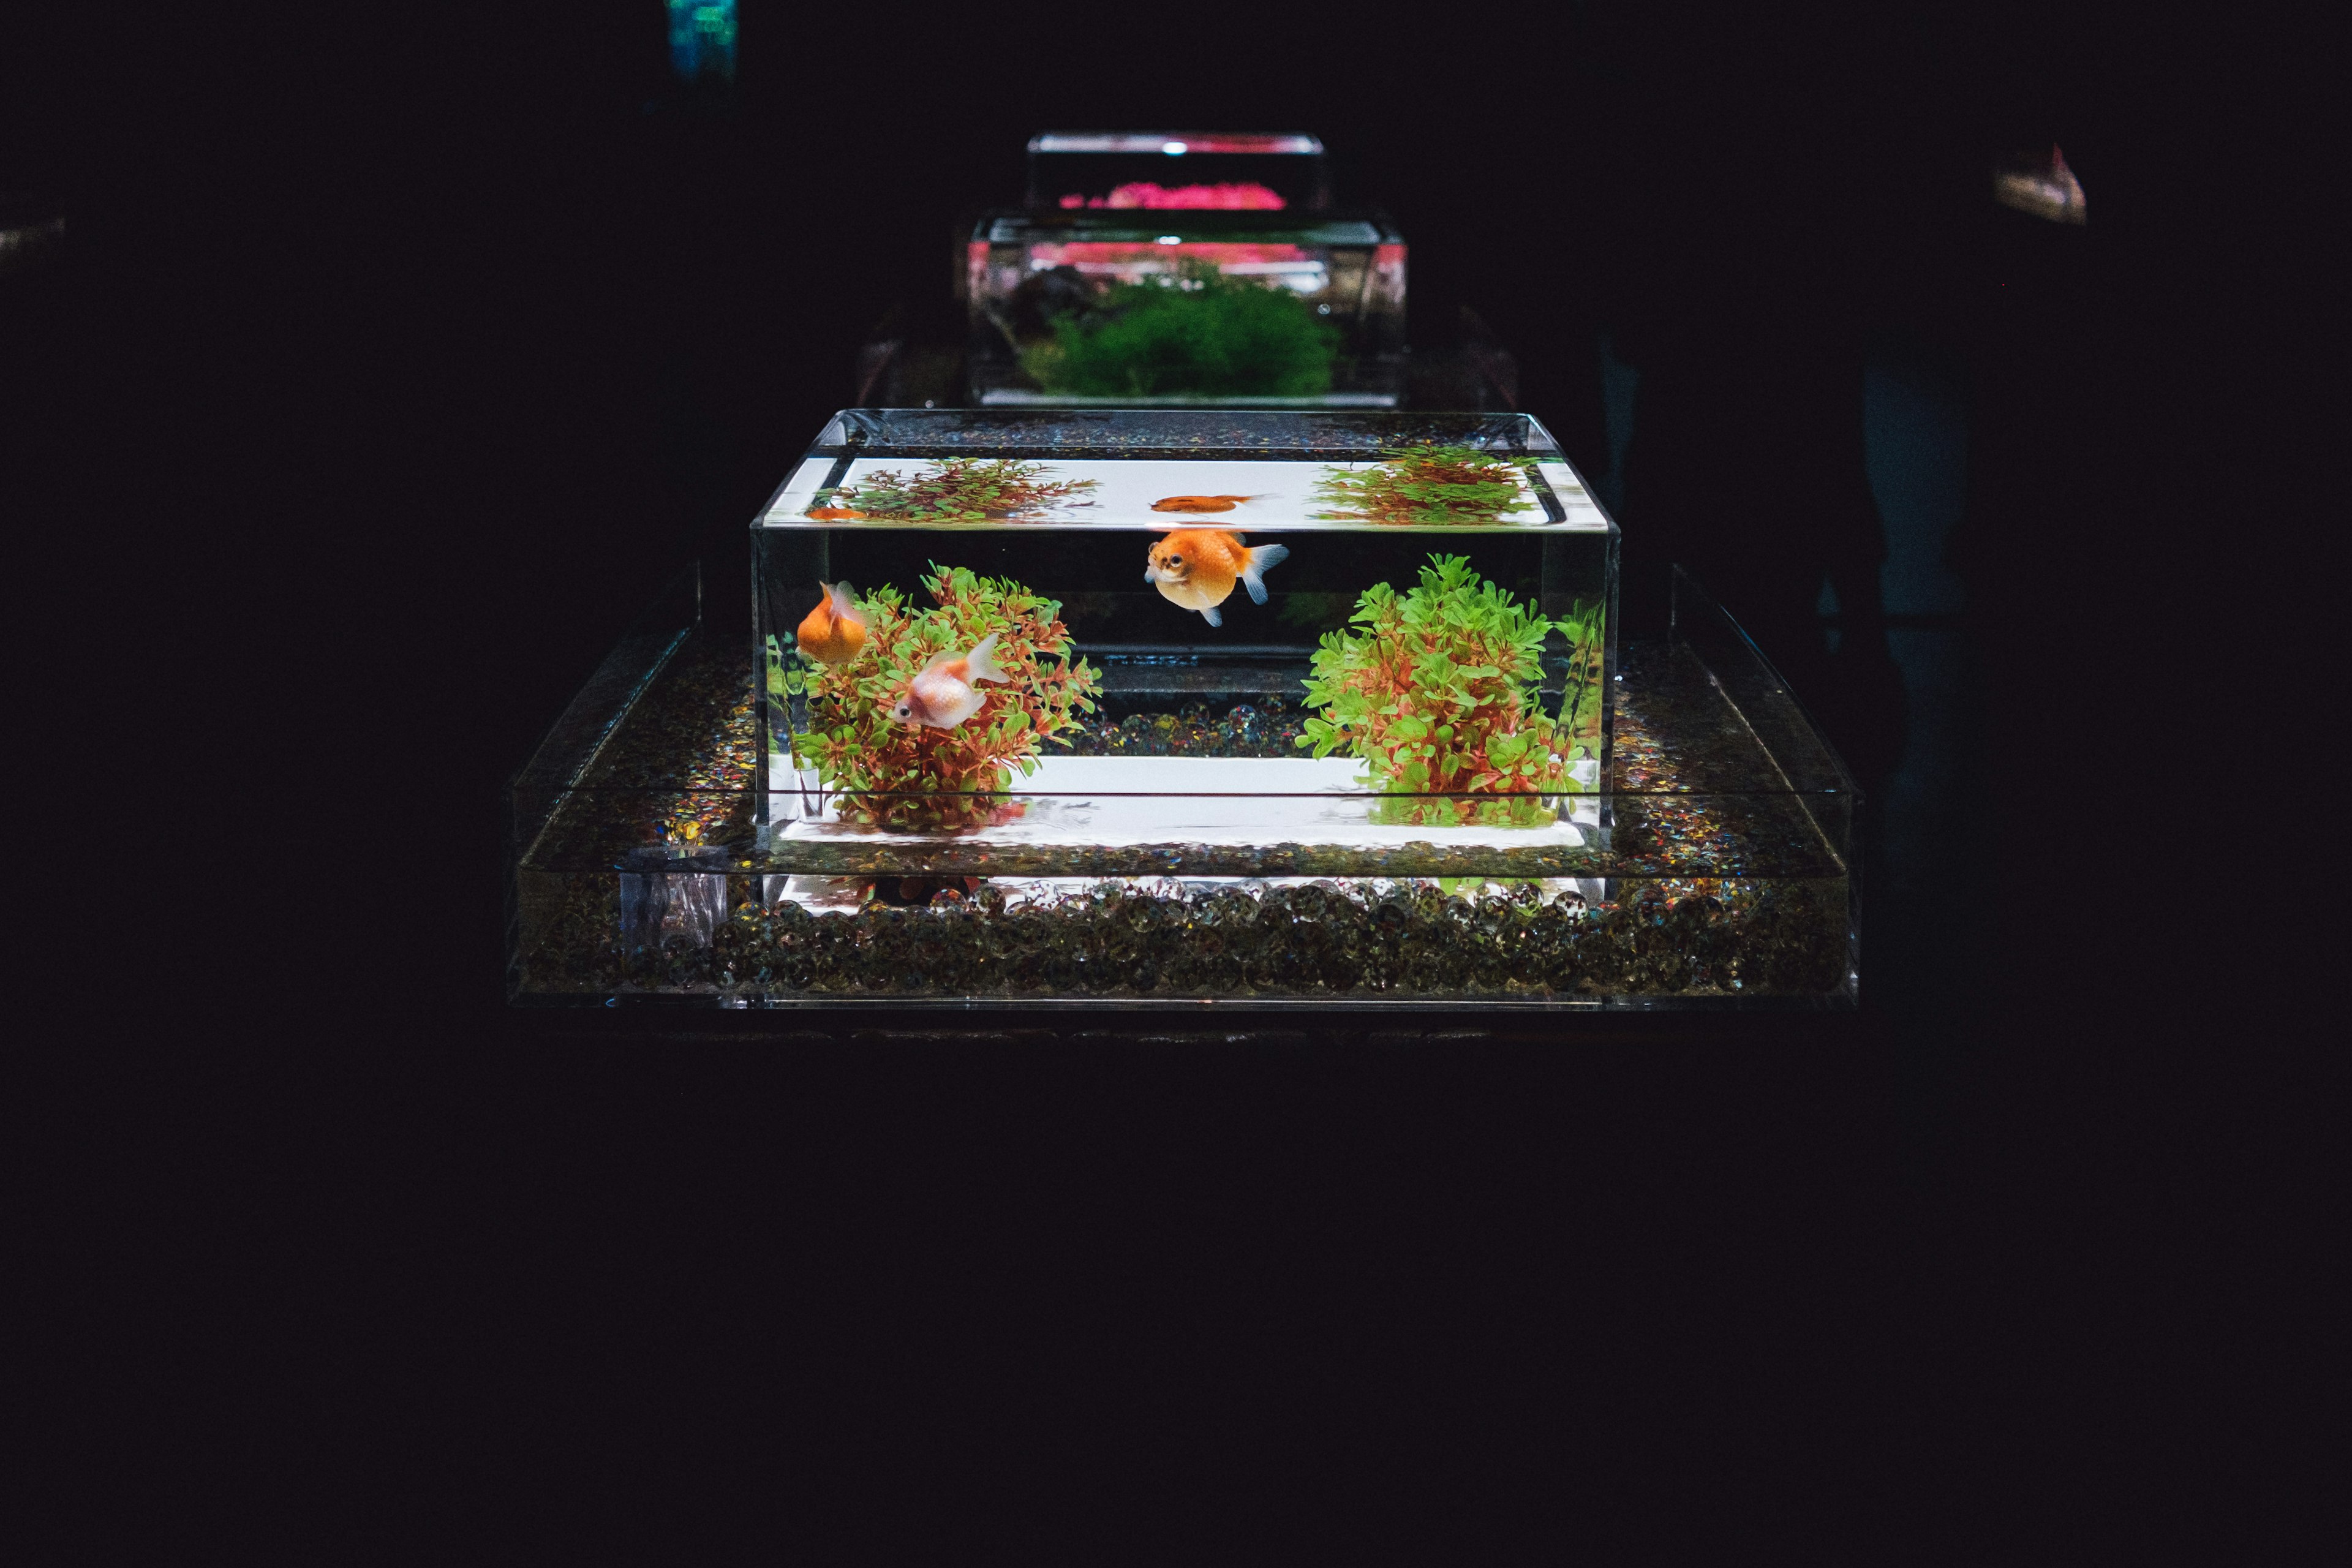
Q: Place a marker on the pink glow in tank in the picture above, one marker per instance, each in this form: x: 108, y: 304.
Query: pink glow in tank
x: 1243, y: 196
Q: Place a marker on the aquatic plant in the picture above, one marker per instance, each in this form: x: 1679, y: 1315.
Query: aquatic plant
x: 1198, y: 333
x: 1438, y: 694
x: 1426, y: 483
x: 894, y: 775
x: 959, y: 489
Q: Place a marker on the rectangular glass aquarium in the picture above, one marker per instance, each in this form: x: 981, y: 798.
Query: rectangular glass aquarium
x: 1183, y: 708
x: 1182, y: 268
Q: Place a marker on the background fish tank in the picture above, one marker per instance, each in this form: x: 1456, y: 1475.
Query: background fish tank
x: 1184, y: 269
x: 1177, y: 170
x: 1410, y: 768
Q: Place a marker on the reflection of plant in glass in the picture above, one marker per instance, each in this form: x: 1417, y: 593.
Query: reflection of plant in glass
x: 942, y: 777
x: 1437, y: 693
x: 1428, y: 483
x: 1580, y: 704
x: 1198, y: 333
x: 961, y: 490
x: 1315, y: 612
x: 786, y: 676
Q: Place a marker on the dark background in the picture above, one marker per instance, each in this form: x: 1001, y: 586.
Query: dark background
x: 404, y: 355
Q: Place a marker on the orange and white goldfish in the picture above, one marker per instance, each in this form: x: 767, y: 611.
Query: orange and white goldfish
x: 1197, y: 568
x: 942, y: 696
x: 836, y: 629
x: 1198, y: 503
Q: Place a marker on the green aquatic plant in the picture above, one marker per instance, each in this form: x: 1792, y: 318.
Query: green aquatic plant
x: 901, y: 775
x: 1438, y: 693
x: 959, y: 489
x: 1424, y: 484
x: 1198, y: 333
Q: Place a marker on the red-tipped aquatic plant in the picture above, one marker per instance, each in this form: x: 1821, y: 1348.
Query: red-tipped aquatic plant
x: 896, y: 774
x: 1437, y: 692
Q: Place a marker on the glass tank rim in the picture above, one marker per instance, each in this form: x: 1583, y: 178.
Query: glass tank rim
x: 871, y: 431
x: 1300, y: 226
x: 1534, y: 526
x: 1021, y: 397
x: 1112, y: 438
x: 1759, y: 792
x: 1274, y: 143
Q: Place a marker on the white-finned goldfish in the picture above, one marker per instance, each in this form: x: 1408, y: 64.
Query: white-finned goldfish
x: 941, y: 697
x: 1197, y: 568
x: 1199, y: 503
x: 836, y: 629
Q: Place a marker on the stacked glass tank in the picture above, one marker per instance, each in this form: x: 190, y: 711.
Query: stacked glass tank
x: 643, y: 874
x: 1184, y: 268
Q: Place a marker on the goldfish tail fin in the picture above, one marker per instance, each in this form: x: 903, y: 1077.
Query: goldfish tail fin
x: 1210, y: 615
x: 1255, y: 565
x: 845, y: 601
x: 979, y: 664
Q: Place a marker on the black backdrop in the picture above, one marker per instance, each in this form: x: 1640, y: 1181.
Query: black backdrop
x: 406, y: 354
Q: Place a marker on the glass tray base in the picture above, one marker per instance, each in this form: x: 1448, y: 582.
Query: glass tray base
x: 1726, y: 881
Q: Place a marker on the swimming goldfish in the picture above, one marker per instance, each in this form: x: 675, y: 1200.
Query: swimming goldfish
x: 836, y: 629
x: 1197, y: 567
x: 1196, y: 503
x: 942, y: 696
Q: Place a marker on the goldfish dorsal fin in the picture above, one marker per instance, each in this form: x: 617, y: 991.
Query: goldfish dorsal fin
x: 979, y: 664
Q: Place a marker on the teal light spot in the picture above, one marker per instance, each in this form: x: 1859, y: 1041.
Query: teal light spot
x: 702, y: 38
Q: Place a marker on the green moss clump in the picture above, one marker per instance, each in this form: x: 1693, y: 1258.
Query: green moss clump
x: 897, y: 774
x: 1425, y: 484
x: 1198, y: 333
x: 1438, y: 694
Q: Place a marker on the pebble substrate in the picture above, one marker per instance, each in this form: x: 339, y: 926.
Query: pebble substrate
x: 676, y: 773
x: 1267, y: 727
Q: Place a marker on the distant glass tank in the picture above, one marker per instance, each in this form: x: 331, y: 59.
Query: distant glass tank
x: 1184, y: 268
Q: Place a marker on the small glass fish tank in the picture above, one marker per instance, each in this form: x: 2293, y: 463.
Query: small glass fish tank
x: 1183, y: 709
x: 1184, y: 269
x: 1177, y: 170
